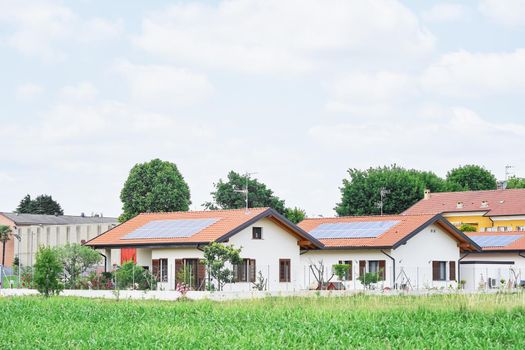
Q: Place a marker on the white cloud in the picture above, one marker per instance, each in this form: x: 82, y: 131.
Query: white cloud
x: 444, y: 12
x: 28, y: 90
x: 370, y: 94
x: 506, y: 12
x: 37, y: 28
x: 81, y: 91
x: 281, y: 36
x: 165, y: 84
x: 466, y: 74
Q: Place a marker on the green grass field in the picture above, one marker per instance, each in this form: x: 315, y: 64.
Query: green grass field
x: 368, y: 322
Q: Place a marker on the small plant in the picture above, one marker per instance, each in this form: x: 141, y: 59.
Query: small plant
x: 341, y: 271
x: 462, y: 284
x: 48, y: 268
x: 369, y: 278
x: 261, y: 282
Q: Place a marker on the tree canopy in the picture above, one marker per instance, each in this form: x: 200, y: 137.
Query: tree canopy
x: 216, y: 258
x: 295, y: 215
x: 48, y: 268
x: 154, y: 186
x: 5, y: 232
x: 361, y: 192
x: 76, y: 259
x: 470, y: 178
x: 226, y: 197
x: 42, y: 204
x: 516, y: 182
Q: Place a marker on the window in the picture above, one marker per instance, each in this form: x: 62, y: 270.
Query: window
x: 520, y: 228
x: 348, y: 273
x: 284, y: 270
x: 256, y: 232
x: 373, y: 266
x: 160, y: 269
x: 439, y: 270
x: 245, y: 271
x: 377, y: 266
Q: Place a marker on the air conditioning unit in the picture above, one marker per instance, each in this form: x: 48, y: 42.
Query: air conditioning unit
x: 492, y: 283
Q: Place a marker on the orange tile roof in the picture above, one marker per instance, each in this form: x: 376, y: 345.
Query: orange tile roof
x: 407, y: 226
x: 228, y: 221
x: 499, y: 202
x: 518, y: 244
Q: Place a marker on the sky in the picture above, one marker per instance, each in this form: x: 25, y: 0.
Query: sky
x: 296, y: 91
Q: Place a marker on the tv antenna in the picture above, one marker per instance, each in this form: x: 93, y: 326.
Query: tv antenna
x: 382, y: 193
x: 508, y: 172
x: 245, y: 190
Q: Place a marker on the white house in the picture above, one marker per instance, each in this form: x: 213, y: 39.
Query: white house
x: 165, y: 242
x: 502, y: 258
x: 421, y: 251
x: 408, y: 251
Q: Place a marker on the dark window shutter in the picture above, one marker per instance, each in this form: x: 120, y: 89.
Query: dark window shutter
x: 284, y: 270
x: 452, y: 268
x: 155, y: 267
x: 252, y: 270
x: 179, y: 263
x: 201, y: 275
x: 362, y: 267
x: 382, y: 269
x: 350, y: 271
x: 435, y: 270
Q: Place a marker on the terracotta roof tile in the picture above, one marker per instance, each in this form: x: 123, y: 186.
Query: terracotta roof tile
x: 518, y: 244
x: 407, y: 225
x: 228, y: 221
x: 498, y: 202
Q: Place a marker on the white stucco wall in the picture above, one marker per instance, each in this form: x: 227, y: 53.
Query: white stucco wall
x: 477, y: 275
x: 332, y: 257
x: 416, y: 256
x: 276, y: 243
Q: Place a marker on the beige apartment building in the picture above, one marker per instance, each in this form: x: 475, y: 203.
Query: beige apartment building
x: 31, y: 231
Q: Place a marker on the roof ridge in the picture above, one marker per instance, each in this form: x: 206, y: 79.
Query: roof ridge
x: 369, y: 216
x: 204, y: 211
x: 58, y: 216
x: 479, y: 191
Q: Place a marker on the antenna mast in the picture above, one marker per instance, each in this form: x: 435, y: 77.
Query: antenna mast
x: 245, y: 190
x: 382, y: 193
x: 508, y: 172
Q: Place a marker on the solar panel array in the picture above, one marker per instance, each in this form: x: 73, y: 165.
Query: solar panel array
x: 495, y: 241
x: 356, y: 229
x: 170, y: 228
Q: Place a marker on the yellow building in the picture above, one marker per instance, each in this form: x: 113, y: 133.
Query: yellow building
x: 487, y: 211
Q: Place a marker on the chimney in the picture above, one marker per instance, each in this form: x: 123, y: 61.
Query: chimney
x: 427, y: 194
x: 82, y: 214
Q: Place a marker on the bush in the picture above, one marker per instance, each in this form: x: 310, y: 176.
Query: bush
x: 48, y: 268
x: 368, y: 278
x: 135, y: 277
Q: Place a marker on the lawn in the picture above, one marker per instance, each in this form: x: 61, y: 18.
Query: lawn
x: 368, y: 322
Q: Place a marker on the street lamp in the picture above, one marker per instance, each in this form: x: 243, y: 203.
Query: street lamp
x: 19, y: 238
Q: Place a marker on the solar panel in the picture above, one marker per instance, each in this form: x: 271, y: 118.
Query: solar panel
x: 356, y: 229
x: 170, y: 228
x: 495, y: 241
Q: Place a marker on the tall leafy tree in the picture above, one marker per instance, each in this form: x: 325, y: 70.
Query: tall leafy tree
x: 154, y: 186
x: 470, y: 178
x: 77, y: 259
x: 516, y: 182
x: 219, y: 259
x: 226, y: 195
x: 5, y: 232
x: 48, y: 268
x: 43, y: 204
x: 360, y: 194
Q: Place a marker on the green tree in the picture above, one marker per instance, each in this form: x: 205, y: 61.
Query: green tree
x: 5, y: 232
x: 295, y: 215
x: 467, y: 228
x: 130, y: 275
x: 360, y: 194
x: 226, y: 195
x: 42, y: 204
x: 77, y: 259
x: 154, y: 186
x: 48, y: 269
x: 516, y: 182
x: 216, y: 258
x: 470, y: 178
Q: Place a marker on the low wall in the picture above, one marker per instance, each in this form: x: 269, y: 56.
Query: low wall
x: 220, y: 296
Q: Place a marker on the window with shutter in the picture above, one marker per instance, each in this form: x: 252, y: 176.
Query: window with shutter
x: 284, y: 270
x: 252, y: 271
x: 382, y: 269
x: 362, y: 267
x: 439, y: 270
x: 155, y: 268
x: 452, y: 270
